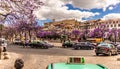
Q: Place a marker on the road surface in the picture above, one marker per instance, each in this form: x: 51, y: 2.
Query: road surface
x: 51, y: 51
x: 40, y: 58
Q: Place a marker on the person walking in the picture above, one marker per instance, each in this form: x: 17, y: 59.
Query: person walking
x: 26, y: 43
x: 4, y: 44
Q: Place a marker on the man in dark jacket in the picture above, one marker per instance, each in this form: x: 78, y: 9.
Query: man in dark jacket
x: 19, y: 64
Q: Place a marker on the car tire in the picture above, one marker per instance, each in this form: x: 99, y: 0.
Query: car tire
x: 110, y: 54
x: 46, y: 47
x: 92, y: 48
x: 65, y: 46
x: 75, y: 48
x: 116, y: 53
x: 42, y: 47
x: 78, y: 48
x: 97, y: 54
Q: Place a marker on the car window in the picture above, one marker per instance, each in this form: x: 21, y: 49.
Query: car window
x: 104, y: 45
x: 88, y: 43
x: 82, y: 43
x: 112, y: 46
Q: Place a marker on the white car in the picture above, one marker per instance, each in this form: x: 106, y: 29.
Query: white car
x: 17, y: 41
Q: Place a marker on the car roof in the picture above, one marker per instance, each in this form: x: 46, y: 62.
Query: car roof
x: 76, y: 66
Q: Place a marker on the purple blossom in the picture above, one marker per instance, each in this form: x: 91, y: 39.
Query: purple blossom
x: 76, y: 32
x: 43, y: 33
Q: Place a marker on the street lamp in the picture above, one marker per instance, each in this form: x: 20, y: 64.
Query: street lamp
x: 115, y: 32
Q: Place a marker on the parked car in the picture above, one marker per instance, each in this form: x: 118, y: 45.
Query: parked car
x: 118, y: 48
x: 67, y: 44
x: 40, y: 44
x: 75, y: 63
x: 106, y: 48
x: 17, y: 41
x: 84, y: 45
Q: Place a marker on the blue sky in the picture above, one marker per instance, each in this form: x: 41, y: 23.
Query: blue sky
x: 116, y: 9
x: 69, y: 10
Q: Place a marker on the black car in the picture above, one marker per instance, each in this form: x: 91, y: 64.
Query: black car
x: 40, y: 44
x: 106, y: 48
x: 67, y: 44
x: 84, y: 45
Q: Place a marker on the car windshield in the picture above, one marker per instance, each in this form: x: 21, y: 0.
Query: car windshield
x: 85, y: 43
x: 104, y: 45
x: 42, y: 42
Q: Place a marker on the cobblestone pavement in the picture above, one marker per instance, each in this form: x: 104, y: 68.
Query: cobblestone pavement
x: 40, y: 58
x: 41, y: 61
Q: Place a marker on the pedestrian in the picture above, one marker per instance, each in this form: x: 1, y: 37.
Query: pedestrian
x: 27, y: 42
x: 23, y: 43
x: 4, y: 44
x: 19, y: 64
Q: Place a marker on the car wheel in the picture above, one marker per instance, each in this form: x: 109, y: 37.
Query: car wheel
x: 65, y: 46
x: 97, y: 54
x: 116, y: 53
x: 46, y: 47
x: 75, y: 48
x: 78, y: 48
x: 110, y: 54
x: 92, y: 48
x: 42, y: 47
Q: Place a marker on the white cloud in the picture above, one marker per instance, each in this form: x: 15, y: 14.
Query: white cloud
x: 111, y: 8
x: 91, y: 4
x: 111, y: 16
x: 56, y: 9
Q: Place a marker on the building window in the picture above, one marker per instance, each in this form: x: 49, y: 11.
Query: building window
x: 115, y: 25
x: 113, y: 21
x: 117, y: 22
x: 111, y: 25
x: 119, y: 25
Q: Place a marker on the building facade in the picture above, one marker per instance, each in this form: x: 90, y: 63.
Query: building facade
x: 67, y: 25
x: 73, y: 24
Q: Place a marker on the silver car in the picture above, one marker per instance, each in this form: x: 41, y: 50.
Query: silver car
x: 105, y: 48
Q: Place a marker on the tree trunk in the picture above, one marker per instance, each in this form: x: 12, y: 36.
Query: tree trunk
x: 30, y: 34
x: 20, y: 35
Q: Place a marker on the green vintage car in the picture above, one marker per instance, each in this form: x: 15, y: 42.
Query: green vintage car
x: 75, y: 63
x: 67, y: 44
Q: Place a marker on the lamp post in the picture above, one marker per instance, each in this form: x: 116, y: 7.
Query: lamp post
x: 115, y: 32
